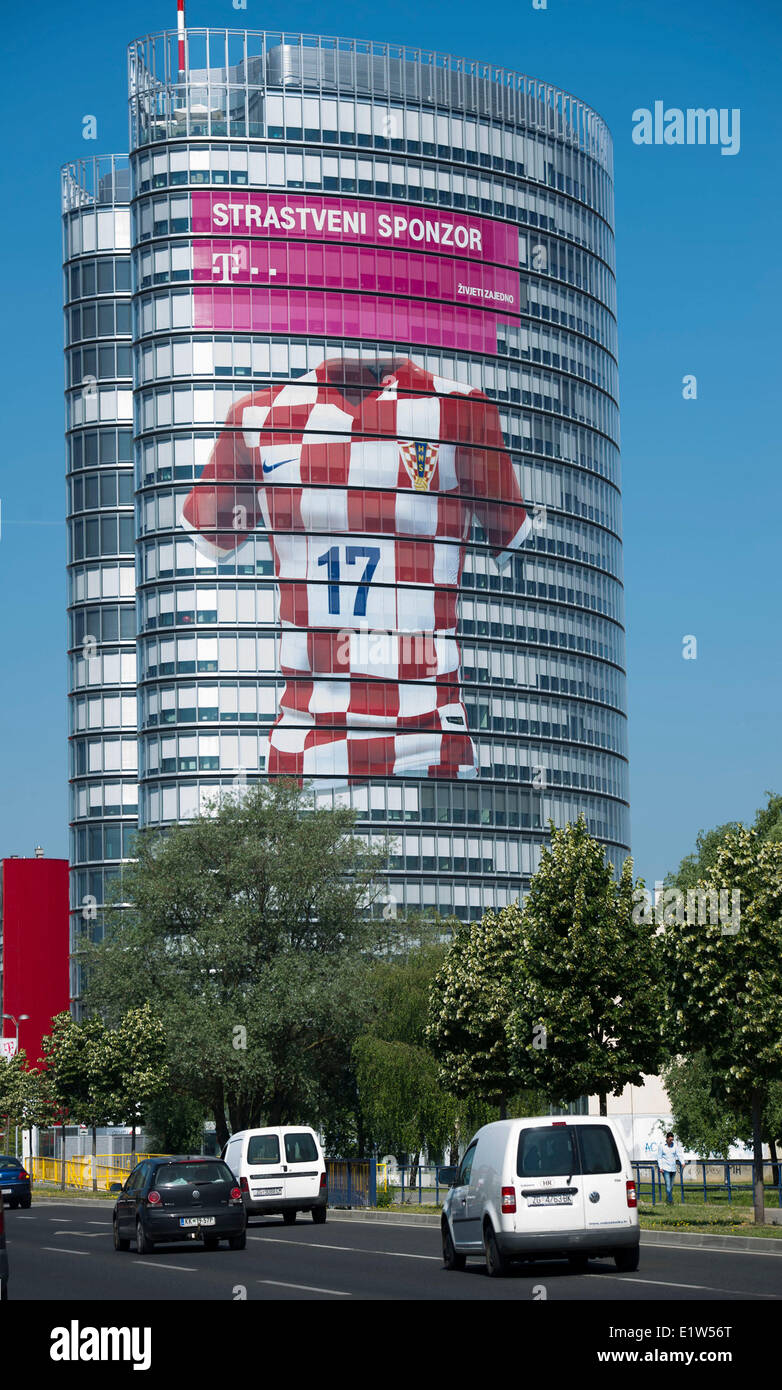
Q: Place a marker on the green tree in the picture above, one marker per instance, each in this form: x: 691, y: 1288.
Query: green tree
x: 709, y: 1118
x: 247, y: 932
x: 470, y: 1000
x: 403, y: 1104
x: 702, y: 1116
x: 13, y: 1094
x: 83, y: 1064
x: 25, y: 1096
x: 587, y: 993
x: 723, y: 985
x: 768, y: 820
x: 136, y: 1072
x: 174, y: 1124
x: 772, y: 1125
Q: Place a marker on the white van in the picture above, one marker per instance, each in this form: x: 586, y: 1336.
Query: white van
x: 280, y: 1170
x: 541, y: 1188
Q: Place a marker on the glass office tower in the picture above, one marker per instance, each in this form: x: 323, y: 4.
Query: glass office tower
x: 101, y: 562
x: 378, y: 509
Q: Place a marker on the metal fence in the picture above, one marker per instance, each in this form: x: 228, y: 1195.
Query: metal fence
x: 402, y: 1186
x: 367, y: 1183
x: 108, y: 1168
x: 703, y: 1180
x: 352, y: 1182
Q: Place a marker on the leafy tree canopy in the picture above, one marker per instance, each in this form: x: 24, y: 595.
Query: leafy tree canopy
x: 470, y: 1000
x: 246, y: 929
x: 587, y: 982
x: 723, y: 993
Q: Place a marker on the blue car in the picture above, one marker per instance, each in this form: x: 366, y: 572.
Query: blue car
x: 14, y: 1182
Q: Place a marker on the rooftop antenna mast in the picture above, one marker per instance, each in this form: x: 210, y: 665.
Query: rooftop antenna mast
x: 180, y: 27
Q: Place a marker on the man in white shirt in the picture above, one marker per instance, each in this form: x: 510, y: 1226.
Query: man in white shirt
x: 669, y: 1154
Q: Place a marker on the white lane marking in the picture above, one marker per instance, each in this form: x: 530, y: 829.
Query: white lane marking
x: 350, y: 1249
x: 99, y: 1223
x: 308, y: 1288
x: 669, y: 1284
x: 85, y: 1235
x: 402, y: 1255
x: 58, y: 1250
x: 155, y: 1264
x: 714, y: 1250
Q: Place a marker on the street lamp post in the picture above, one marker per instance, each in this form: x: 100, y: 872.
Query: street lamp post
x: 16, y: 1022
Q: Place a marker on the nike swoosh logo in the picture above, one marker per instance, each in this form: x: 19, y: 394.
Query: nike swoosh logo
x: 270, y: 467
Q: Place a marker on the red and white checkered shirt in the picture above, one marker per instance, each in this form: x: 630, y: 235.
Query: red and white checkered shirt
x: 366, y: 491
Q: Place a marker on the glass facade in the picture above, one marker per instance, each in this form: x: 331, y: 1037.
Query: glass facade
x: 101, y: 533
x: 402, y: 433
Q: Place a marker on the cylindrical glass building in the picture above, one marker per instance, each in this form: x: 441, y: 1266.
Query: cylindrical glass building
x: 378, y: 535
x: 101, y: 531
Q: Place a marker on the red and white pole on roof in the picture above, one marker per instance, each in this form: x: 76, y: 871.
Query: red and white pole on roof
x: 180, y: 26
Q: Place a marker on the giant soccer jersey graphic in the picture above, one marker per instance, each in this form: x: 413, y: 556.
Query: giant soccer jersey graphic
x: 365, y: 477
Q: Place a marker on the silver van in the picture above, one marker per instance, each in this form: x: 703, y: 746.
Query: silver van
x: 280, y: 1169
x: 542, y: 1188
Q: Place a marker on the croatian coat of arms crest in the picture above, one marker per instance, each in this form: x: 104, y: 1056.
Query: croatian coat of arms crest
x: 420, y: 461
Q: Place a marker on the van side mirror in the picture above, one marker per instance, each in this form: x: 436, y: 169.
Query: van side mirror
x: 115, y: 1187
x: 447, y: 1176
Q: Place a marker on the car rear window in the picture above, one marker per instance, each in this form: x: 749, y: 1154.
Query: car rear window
x: 301, y: 1148
x: 599, y: 1153
x: 263, y: 1148
x: 192, y: 1174
x: 8, y: 1163
x: 546, y: 1153
x: 562, y: 1150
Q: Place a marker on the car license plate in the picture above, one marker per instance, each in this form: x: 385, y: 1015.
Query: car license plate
x: 268, y: 1192
x: 197, y: 1220
x: 6, y: 1191
x: 553, y: 1200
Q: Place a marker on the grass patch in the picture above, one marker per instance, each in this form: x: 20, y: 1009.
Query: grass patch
x: 702, y: 1217
x: 72, y: 1194
x: 398, y: 1210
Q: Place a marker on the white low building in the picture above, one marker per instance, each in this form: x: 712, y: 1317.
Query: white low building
x: 644, y: 1116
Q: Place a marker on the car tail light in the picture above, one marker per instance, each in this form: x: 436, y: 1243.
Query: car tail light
x: 508, y: 1199
x: 236, y: 1194
x: 632, y: 1198
x: 154, y: 1198
x: 245, y: 1186
x: 323, y: 1179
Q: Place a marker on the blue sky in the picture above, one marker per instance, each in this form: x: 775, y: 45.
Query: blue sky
x: 699, y: 293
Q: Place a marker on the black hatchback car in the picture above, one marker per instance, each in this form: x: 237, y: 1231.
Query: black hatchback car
x: 14, y: 1182
x: 179, y: 1199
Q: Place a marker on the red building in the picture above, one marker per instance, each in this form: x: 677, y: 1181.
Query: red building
x: 34, y: 976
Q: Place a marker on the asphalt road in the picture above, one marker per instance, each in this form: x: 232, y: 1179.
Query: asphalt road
x: 61, y: 1250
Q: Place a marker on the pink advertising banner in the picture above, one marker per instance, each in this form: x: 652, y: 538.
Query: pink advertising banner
x: 309, y: 216
x: 331, y: 312
x: 415, y: 275
x: 362, y: 268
